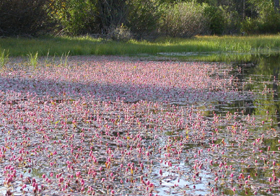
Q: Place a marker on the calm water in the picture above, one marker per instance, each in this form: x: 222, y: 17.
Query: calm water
x: 258, y: 117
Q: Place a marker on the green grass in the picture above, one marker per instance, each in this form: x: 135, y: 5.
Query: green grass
x: 4, y: 58
x: 33, y: 59
x: 59, y: 46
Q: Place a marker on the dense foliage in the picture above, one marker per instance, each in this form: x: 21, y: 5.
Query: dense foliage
x: 183, y: 19
x: 125, y: 19
x: 25, y: 17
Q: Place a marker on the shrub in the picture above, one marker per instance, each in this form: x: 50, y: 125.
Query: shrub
x: 22, y: 17
x: 184, y: 19
x: 74, y: 17
x: 120, y: 33
x: 215, y: 18
x: 270, y: 23
x: 143, y: 16
x: 232, y: 20
x: 111, y: 14
x: 267, y: 22
x: 250, y: 26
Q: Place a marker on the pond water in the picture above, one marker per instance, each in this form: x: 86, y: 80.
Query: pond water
x: 112, y: 126
x: 254, y: 150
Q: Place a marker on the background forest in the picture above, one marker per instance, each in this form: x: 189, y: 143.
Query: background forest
x: 138, y: 19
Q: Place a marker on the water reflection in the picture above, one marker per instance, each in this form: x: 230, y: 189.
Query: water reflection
x: 263, y: 77
x: 259, y: 76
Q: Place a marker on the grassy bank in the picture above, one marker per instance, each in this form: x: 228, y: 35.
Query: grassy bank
x: 197, y: 46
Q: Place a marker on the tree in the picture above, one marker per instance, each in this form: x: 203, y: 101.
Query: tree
x: 111, y: 14
x: 74, y: 17
x: 143, y: 16
x: 23, y: 17
x: 276, y: 5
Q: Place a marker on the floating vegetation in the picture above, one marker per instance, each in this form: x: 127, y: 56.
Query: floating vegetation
x: 114, y: 126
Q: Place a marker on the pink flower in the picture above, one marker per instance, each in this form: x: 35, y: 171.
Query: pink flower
x: 61, y: 180
x: 78, y: 174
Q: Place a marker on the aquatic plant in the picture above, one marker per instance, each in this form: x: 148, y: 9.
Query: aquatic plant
x: 116, y: 126
x: 4, y: 58
x: 33, y: 59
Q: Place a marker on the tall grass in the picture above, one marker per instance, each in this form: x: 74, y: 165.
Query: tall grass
x: 33, y: 59
x: 4, y: 58
x: 59, y: 46
x: 64, y: 59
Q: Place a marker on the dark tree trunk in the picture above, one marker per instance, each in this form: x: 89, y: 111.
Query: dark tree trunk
x: 244, y: 9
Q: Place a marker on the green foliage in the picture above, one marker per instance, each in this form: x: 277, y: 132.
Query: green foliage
x: 64, y: 59
x: 123, y: 19
x: 143, y: 16
x: 250, y: 26
x: 33, y: 59
x: 216, y: 19
x: 74, y: 16
x: 270, y: 23
x: 60, y: 46
x: 184, y: 19
x: 23, y: 17
x: 232, y: 20
x: 4, y: 58
x: 111, y: 14
x: 121, y: 33
x: 268, y: 20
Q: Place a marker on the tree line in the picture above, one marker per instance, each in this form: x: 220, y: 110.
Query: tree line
x: 125, y: 19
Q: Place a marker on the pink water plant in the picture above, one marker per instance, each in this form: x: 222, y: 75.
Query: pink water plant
x: 119, y: 126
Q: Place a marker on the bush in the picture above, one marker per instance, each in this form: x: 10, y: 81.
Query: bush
x: 232, y: 20
x: 120, y: 33
x: 184, y: 19
x: 267, y: 22
x: 250, y: 26
x: 74, y: 17
x: 143, y: 17
x: 215, y: 18
x: 111, y: 14
x: 270, y: 23
x: 22, y: 17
